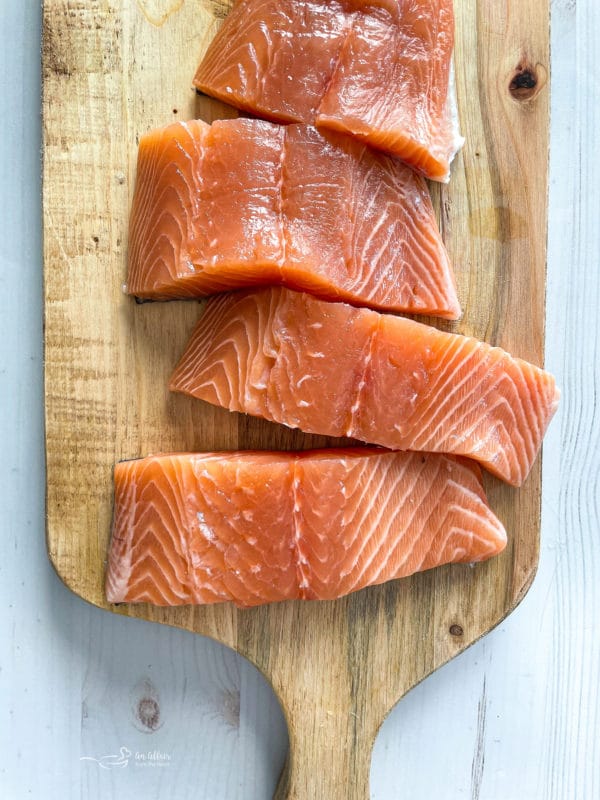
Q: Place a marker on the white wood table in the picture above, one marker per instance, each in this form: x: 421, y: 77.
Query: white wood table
x: 96, y: 706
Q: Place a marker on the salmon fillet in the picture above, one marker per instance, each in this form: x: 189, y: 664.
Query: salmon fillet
x: 258, y: 527
x: 380, y: 71
x: 245, y: 202
x: 332, y: 369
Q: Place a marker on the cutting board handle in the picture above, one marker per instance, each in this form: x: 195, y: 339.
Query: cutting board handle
x: 330, y: 746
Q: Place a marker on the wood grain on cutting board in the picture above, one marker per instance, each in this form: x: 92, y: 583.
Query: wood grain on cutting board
x: 113, y: 70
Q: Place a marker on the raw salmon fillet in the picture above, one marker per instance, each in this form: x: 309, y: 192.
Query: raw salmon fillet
x: 258, y: 527
x: 380, y: 71
x: 245, y: 202
x: 333, y: 369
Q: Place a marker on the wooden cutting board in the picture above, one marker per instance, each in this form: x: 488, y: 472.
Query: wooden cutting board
x: 112, y: 69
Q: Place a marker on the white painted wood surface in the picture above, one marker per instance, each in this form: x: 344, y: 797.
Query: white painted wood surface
x: 516, y: 716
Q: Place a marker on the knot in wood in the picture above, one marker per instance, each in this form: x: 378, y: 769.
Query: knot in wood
x: 148, y: 712
x: 525, y: 81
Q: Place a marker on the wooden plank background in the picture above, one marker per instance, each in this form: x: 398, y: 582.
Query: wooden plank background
x: 109, y: 74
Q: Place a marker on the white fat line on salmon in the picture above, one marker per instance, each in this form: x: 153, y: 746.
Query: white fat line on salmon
x: 301, y: 560
x: 281, y: 194
x: 205, y: 529
x: 302, y: 379
x: 362, y: 381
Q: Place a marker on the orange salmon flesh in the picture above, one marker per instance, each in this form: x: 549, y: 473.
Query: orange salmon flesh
x: 258, y: 527
x: 246, y: 202
x: 332, y: 369
x: 379, y: 71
